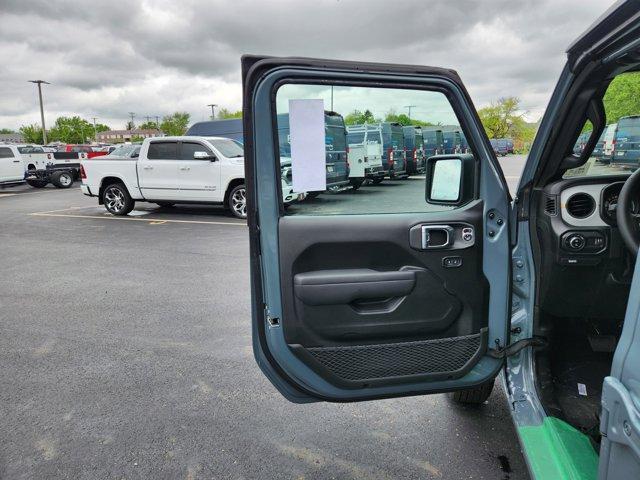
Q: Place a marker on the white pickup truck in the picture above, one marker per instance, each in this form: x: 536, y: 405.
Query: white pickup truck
x: 31, y: 163
x: 171, y: 170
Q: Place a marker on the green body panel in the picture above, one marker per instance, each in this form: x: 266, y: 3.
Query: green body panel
x: 557, y: 451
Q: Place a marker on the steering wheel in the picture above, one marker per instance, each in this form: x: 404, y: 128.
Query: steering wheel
x: 626, y: 218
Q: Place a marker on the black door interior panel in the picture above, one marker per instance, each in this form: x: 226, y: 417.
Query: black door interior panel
x: 443, y: 303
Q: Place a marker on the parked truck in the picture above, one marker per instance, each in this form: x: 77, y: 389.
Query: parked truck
x: 365, y: 154
x: 626, y: 151
x: 174, y: 170
x: 393, y: 155
x: 31, y: 164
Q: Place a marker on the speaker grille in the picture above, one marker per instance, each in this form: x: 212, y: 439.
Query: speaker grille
x: 367, y: 362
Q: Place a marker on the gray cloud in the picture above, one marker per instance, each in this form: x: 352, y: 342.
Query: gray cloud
x: 154, y: 57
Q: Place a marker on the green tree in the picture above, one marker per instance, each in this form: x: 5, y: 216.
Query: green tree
x: 224, y: 113
x: 136, y: 139
x: 130, y: 125
x: 358, y: 117
x: 6, y: 130
x: 622, y: 98
x: 501, y: 119
x: 149, y: 126
x: 71, y: 130
x: 403, y: 119
x: 101, y: 127
x: 175, y: 124
x: 32, y: 133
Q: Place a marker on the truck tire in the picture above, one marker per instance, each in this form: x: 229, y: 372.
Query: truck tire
x: 116, y: 199
x: 37, y: 183
x: 62, y: 179
x: 377, y: 180
x: 474, y: 396
x: 237, y: 201
x: 356, y: 184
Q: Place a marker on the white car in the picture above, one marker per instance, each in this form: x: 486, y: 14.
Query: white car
x: 171, y: 170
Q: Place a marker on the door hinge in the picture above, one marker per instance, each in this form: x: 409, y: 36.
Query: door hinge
x: 504, y: 352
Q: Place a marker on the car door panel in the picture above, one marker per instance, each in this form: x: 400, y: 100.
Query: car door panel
x: 198, y: 179
x: 428, y: 332
x: 158, y: 171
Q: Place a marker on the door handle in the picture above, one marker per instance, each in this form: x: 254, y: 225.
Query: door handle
x: 148, y: 167
x: 185, y: 168
x: 16, y: 161
x: 436, y: 236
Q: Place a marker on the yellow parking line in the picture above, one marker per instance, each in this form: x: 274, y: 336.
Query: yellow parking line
x: 153, y: 221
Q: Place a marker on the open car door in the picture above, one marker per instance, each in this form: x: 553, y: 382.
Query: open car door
x: 620, y: 418
x: 400, y: 288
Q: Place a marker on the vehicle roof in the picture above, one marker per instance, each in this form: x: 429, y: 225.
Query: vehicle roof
x: 231, y: 125
x: 186, y: 138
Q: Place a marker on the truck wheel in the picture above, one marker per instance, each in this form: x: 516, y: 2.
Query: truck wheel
x: 474, y: 396
x: 377, y: 180
x: 117, y: 200
x: 356, y: 184
x: 62, y: 179
x: 237, y: 201
x: 37, y: 183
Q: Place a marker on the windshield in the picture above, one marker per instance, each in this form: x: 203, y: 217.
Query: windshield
x: 618, y: 148
x: 228, y: 148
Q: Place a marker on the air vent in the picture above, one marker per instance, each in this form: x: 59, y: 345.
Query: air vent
x: 551, y: 205
x: 580, y: 205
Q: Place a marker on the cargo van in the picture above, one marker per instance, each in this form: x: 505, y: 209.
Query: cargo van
x: 393, y: 154
x: 451, y: 140
x: 335, y: 147
x: 464, y: 145
x: 433, y: 141
x: 414, y: 149
x: 231, y: 128
x: 627, y: 142
x: 365, y: 154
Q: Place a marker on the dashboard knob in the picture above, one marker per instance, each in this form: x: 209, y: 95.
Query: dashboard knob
x: 576, y: 242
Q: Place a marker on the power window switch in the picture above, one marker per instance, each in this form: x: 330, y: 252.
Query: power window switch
x: 452, y: 262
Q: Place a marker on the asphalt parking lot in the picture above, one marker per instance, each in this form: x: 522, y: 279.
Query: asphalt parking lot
x: 126, y: 353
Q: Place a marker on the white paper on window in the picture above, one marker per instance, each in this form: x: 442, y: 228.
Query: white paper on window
x: 308, y: 156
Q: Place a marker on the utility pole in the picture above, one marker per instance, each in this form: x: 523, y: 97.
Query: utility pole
x: 157, y: 122
x: 410, y: 107
x: 131, y: 114
x: 148, y: 117
x: 213, y: 112
x: 44, y: 130
x: 95, y: 130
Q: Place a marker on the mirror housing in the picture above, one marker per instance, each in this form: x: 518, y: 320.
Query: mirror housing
x: 450, y: 179
x: 202, y: 155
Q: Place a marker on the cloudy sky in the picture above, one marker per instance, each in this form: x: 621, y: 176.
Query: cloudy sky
x: 105, y: 59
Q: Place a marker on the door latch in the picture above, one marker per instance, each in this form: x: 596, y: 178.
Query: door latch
x: 509, y: 350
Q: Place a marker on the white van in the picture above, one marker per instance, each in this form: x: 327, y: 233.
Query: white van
x: 365, y: 154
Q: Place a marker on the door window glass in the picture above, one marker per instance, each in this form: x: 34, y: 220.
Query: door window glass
x: 347, y: 150
x: 188, y: 149
x: 6, y: 153
x: 163, y: 151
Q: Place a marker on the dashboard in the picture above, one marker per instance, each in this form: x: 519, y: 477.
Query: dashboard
x: 583, y: 256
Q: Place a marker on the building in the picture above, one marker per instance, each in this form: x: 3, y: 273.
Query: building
x: 15, y: 137
x: 119, y: 136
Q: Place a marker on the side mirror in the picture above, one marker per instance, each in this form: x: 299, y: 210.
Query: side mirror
x: 135, y: 155
x: 450, y: 179
x: 204, y: 156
